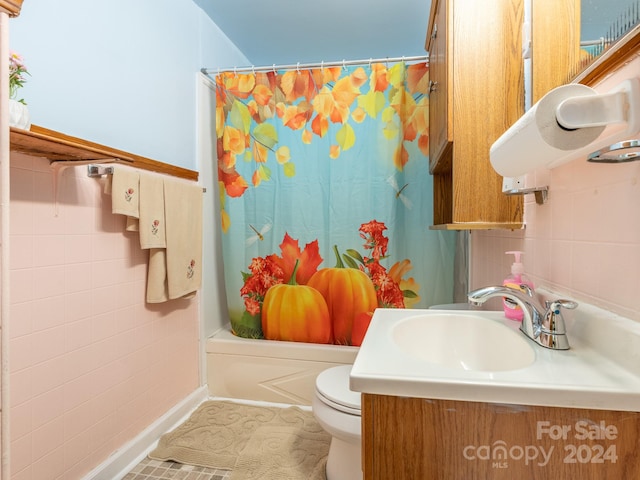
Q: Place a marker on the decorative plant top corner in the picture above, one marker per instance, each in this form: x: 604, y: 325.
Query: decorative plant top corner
x: 17, y: 72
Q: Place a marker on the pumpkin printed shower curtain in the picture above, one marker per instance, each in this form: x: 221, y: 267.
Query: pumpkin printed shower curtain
x: 326, y: 200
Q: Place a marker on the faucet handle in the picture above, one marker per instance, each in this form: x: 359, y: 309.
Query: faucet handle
x: 555, y: 305
x: 553, y: 322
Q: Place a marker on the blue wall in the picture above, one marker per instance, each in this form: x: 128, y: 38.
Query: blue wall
x: 119, y: 72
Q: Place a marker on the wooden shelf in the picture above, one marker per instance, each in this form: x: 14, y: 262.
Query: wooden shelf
x: 478, y: 226
x: 58, y: 147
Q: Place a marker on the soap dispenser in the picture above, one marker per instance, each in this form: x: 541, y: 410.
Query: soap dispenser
x: 512, y: 310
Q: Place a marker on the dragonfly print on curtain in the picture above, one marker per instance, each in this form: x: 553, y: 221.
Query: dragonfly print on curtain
x: 326, y: 199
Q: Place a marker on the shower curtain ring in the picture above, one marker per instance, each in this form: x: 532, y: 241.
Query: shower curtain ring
x: 298, y: 67
x: 370, y: 61
x: 274, y: 69
x: 322, y: 66
x: 253, y: 69
x: 344, y: 64
x: 235, y: 70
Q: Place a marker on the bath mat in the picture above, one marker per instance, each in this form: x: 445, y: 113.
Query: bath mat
x: 282, y: 453
x: 256, y: 442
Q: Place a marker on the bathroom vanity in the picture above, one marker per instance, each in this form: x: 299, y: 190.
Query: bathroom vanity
x: 465, y: 395
x: 410, y: 438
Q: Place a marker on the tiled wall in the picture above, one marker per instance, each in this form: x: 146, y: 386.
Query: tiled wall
x: 584, y: 242
x: 91, y: 365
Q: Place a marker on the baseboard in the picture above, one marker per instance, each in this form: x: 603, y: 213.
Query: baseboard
x: 123, y: 460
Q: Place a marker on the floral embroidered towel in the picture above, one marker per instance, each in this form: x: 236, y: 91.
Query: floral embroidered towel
x: 152, y: 223
x: 183, y: 214
x: 157, y: 276
x: 125, y: 186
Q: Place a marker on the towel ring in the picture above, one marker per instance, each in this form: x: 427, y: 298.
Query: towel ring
x: 621, y: 152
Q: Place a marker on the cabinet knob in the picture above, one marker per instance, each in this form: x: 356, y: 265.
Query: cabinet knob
x: 433, y: 86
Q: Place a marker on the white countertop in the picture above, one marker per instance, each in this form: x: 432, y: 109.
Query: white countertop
x: 586, y: 376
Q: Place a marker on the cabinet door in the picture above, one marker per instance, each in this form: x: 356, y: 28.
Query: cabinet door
x: 427, y: 439
x: 555, y: 57
x: 439, y: 106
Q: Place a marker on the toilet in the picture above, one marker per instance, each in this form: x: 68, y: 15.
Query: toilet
x: 337, y: 409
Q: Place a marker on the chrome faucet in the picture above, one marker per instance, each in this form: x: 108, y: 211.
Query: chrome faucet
x: 543, y: 325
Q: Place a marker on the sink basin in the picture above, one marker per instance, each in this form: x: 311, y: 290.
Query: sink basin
x: 480, y: 356
x: 468, y: 342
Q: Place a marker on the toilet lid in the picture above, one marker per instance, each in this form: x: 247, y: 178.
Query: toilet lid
x: 332, y: 386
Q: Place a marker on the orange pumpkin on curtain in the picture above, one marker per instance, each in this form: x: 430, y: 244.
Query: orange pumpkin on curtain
x: 295, y: 313
x: 348, y: 292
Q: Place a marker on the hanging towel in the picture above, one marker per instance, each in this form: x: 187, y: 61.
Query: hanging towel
x: 108, y: 184
x: 157, y: 276
x: 183, y: 215
x: 152, y: 222
x: 132, y: 224
x: 125, y: 186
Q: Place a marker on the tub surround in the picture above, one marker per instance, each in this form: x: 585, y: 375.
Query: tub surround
x: 269, y: 370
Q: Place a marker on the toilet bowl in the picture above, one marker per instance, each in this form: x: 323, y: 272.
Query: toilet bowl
x: 337, y: 409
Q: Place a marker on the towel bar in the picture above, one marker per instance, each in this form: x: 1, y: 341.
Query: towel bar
x: 101, y: 170
x: 98, y: 170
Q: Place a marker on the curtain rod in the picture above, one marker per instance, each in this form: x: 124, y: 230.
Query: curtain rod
x: 297, y: 66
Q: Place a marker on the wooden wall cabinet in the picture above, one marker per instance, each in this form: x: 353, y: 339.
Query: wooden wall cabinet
x: 416, y: 438
x: 476, y: 93
x: 554, y: 57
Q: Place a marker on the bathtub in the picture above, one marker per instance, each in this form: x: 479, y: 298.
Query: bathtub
x: 269, y: 370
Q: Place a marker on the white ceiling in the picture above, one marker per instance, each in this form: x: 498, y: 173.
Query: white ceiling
x: 290, y: 31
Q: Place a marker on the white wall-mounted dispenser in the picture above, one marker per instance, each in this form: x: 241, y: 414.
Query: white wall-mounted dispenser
x: 569, y: 122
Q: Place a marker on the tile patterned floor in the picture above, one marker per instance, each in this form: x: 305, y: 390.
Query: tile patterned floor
x: 149, y: 469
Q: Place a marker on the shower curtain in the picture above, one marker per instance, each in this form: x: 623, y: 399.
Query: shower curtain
x: 326, y: 200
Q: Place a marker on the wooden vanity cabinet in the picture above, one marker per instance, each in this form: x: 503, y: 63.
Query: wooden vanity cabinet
x: 476, y: 93
x: 415, y: 438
